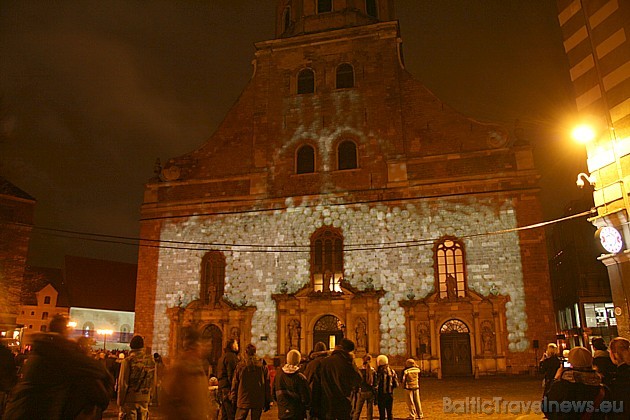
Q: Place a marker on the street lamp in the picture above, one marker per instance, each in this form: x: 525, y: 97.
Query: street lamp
x: 105, y: 333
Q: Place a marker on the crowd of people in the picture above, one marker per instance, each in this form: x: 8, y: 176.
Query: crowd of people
x: 65, y: 379
x: 585, y: 384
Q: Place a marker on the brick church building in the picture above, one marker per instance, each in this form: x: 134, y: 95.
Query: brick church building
x: 339, y: 197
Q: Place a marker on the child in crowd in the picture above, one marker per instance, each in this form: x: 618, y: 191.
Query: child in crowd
x: 213, y: 388
x: 386, y: 382
x: 411, y: 383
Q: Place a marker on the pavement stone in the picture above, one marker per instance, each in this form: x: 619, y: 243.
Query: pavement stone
x: 527, y: 389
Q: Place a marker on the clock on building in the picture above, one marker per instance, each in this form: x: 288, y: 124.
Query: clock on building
x: 610, y: 239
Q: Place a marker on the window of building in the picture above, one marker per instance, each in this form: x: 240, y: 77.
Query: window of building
x: 449, y: 261
x: 305, y: 160
x: 30, y: 327
x: 345, y: 76
x: 306, y: 81
x: 599, y: 315
x: 371, y: 8
x: 44, y: 315
x: 32, y: 313
x: 212, y: 277
x: 43, y: 328
x: 88, y: 329
x: 125, y: 333
x: 47, y: 300
x: 324, y: 6
x: 347, y: 155
x: 286, y: 18
x: 327, y: 260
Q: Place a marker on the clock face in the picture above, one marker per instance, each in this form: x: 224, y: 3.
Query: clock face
x: 610, y: 239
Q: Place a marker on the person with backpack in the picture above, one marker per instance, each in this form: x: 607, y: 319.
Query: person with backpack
x: 291, y: 389
x: 386, y: 382
x: 136, y: 382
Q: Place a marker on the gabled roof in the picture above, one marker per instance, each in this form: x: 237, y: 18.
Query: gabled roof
x: 7, y: 188
x: 100, y: 284
x: 36, y: 278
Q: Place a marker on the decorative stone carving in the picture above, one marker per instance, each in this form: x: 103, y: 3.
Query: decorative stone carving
x: 360, y: 333
x: 487, y: 337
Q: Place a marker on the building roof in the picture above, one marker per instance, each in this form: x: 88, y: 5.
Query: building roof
x: 7, y: 188
x: 36, y: 278
x: 100, y: 284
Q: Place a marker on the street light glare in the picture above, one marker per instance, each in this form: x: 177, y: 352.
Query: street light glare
x: 583, y: 133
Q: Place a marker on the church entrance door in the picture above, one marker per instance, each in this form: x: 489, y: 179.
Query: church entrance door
x: 455, y: 349
x: 329, y: 330
x: 212, y: 337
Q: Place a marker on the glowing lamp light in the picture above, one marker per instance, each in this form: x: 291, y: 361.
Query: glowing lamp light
x: 104, y: 333
x: 72, y: 324
x: 583, y: 133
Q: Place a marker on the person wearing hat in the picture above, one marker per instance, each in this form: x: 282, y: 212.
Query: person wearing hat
x: 411, y: 384
x: 577, y: 390
x: 620, y: 385
x: 136, y: 381
x: 291, y: 389
x: 601, y: 360
x: 386, y: 382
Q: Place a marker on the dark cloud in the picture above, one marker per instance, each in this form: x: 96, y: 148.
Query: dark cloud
x: 93, y: 92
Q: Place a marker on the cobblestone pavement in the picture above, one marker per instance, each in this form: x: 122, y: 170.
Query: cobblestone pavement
x: 433, y: 392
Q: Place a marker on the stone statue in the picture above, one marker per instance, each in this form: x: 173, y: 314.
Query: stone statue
x: 360, y: 333
x: 451, y: 286
x: 487, y: 338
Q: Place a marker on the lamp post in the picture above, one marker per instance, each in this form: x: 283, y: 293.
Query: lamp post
x: 610, y: 196
x: 105, y: 333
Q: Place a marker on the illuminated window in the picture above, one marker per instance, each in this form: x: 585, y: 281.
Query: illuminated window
x: 287, y: 18
x: 125, y: 333
x: 47, y: 300
x: 327, y: 260
x: 454, y: 326
x: 347, y: 155
x: 345, y: 76
x: 371, y: 9
x: 306, y: 81
x: 212, y: 277
x: 305, y: 160
x: 324, y: 6
x: 449, y: 261
x: 88, y: 329
x: 44, y: 315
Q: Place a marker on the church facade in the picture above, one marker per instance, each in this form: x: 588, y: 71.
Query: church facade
x: 340, y: 197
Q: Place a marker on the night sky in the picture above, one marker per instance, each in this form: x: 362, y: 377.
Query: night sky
x: 92, y: 92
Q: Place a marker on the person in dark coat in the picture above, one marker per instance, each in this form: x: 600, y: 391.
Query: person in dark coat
x: 314, y: 359
x: 337, y: 376
x: 225, y: 373
x: 8, y: 375
x: 251, y: 392
x: 601, y: 360
x: 291, y: 389
x: 60, y: 382
x: 365, y: 393
x: 576, y: 390
x: 620, y: 385
x: 386, y: 382
x: 549, y: 365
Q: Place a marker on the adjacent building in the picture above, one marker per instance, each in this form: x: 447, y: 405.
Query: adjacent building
x: 596, y: 43
x: 339, y: 197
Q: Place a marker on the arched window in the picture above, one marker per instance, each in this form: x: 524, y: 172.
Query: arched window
x: 327, y: 260
x: 305, y: 160
x: 345, y: 76
x: 306, y: 81
x: 324, y: 6
x: 286, y: 18
x: 371, y: 8
x: 454, y: 326
x: 212, y: 278
x: 88, y: 329
x: 449, y: 262
x: 347, y: 155
x: 125, y: 333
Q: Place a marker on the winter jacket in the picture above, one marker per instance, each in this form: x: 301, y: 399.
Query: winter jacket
x: 314, y: 360
x: 59, y: 382
x: 226, y: 368
x: 411, y: 378
x: 386, y: 380
x: 604, y: 366
x: 137, y: 378
x: 292, y: 393
x: 581, y: 387
x: 185, y: 389
x: 250, y: 385
x: 336, y: 377
x: 368, y: 378
x: 620, y: 391
x: 8, y: 371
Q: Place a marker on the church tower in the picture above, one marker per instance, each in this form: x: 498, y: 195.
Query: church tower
x: 339, y: 197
